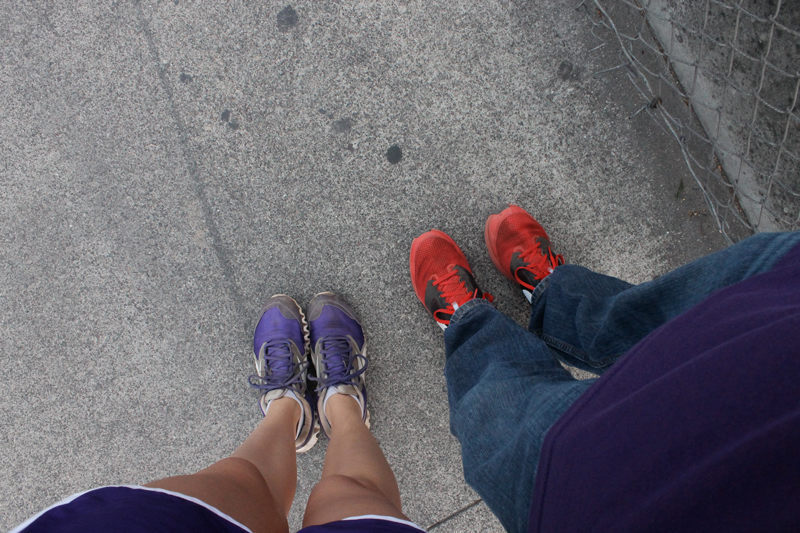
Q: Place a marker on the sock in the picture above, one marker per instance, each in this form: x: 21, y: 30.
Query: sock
x: 330, y: 391
x: 290, y: 394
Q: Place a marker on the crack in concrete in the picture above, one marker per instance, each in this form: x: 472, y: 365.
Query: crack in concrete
x: 453, y: 515
x: 217, y: 244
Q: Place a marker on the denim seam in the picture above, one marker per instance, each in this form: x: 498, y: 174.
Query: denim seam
x: 577, y: 353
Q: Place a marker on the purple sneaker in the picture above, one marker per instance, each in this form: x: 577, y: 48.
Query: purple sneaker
x: 280, y: 348
x: 338, y: 351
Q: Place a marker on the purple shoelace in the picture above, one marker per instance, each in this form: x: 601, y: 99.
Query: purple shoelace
x: 280, y: 370
x: 339, y: 358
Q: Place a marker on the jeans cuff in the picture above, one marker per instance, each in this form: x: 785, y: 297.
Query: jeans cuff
x: 475, y: 302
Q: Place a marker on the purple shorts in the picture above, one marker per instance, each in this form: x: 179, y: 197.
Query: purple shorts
x: 133, y: 509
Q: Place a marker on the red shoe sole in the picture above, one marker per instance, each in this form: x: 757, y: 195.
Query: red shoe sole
x: 413, y: 256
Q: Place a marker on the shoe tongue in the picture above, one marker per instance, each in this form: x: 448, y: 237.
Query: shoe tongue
x: 526, y: 277
x: 274, y: 395
x: 462, y: 299
x: 346, y: 389
x: 465, y: 277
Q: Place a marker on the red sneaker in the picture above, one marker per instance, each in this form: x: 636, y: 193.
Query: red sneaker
x: 441, y: 276
x: 520, y: 248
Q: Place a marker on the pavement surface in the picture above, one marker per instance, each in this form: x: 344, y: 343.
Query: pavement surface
x: 166, y: 166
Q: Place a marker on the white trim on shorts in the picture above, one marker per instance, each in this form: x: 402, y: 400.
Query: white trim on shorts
x: 69, y: 499
x: 384, y: 518
x: 20, y: 528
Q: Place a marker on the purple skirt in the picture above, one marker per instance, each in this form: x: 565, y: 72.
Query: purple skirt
x: 132, y: 509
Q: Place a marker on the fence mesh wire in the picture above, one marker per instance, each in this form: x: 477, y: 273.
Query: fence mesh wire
x: 722, y: 77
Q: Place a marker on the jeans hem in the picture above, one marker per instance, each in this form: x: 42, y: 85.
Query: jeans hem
x: 461, y: 311
x: 540, y: 287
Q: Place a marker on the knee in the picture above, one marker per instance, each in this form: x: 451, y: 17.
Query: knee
x: 332, y: 488
x: 339, y: 497
x: 337, y: 484
x: 239, y: 471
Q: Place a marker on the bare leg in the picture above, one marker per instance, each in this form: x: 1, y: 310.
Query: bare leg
x: 356, y: 478
x: 256, y: 484
x: 271, y: 448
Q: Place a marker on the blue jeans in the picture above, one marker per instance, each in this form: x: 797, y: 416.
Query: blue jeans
x: 506, y: 387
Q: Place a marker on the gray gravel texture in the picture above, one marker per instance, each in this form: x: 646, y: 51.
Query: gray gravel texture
x: 166, y: 166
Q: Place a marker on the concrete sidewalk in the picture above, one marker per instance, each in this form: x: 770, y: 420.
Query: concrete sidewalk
x: 166, y: 166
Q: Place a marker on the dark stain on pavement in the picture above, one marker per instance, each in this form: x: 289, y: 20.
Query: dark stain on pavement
x: 343, y: 125
x: 233, y: 125
x: 394, y: 154
x: 287, y: 18
x: 226, y: 115
x: 185, y: 78
x: 568, y: 71
x: 564, y: 70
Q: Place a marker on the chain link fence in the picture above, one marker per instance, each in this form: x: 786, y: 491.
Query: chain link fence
x: 722, y: 77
